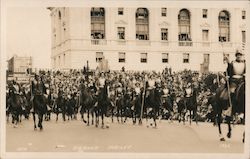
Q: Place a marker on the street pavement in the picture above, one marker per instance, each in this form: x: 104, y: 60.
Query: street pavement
x: 76, y: 136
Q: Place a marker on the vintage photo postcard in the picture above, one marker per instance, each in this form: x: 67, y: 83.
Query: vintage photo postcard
x: 124, y: 79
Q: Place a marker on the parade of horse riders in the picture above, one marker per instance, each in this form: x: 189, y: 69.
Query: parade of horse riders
x: 102, y: 97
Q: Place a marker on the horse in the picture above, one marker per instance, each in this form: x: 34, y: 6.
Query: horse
x: 137, y: 107
x: 222, y: 103
x: 102, y: 105
x: 59, y: 106
x: 191, y: 105
x: 70, y: 104
x: 87, y: 102
x: 181, y: 109
x: 15, y: 107
x: 120, y: 107
x: 153, y: 102
x: 167, y: 104
x: 128, y: 105
x: 40, y: 108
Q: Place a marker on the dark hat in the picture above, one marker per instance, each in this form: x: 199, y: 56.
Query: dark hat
x: 238, y: 53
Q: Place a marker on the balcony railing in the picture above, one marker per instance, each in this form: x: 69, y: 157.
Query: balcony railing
x: 99, y: 42
x: 185, y: 43
x: 143, y: 42
x: 164, y: 43
x: 121, y: 42
x: 205, y: 44
x: 226, y: 44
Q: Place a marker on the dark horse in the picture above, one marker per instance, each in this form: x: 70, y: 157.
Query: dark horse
x: 222, y: 103
x: 103, y: 104
x: 137, y: 101
x: 39, y: 102
x: 15, y: 107
x: 87, y: 102
x: 191, y: 105
x: 167, y: 104
x: 153, y: 101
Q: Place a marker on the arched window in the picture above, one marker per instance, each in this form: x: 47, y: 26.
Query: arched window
x: 224, y: 26
x: 142, y: 24
x: 97, y: 23
x: 184, y: 25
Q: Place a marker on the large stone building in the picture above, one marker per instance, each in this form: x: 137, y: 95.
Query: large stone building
x: 144, y: 38
x: 18, y: 68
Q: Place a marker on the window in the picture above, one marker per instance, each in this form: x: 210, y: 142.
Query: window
x: 164, y: 34
x: 121, y: 56
x: 205, y: 35
x: 163, y: 12
x: 243, y: 14
x: 204, y: 13
x: 99, y: 56
x: 143, y: 57
x: 225, y: 58
x: 185, y: 58
x: 184, y: 25
x: 164, y: 57
x: 97, y: 23
x: 120, y: 11
x: 243, y: 33
x: 142, y: 24
x: 121, y: 33
x: 206, y: 58
x: 224, y: 26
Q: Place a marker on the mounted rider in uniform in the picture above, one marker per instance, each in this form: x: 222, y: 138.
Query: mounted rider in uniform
x: 38, y: 90
x: 236, y: 74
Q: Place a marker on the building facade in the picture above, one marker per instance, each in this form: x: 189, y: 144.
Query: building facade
x: 18, y: 64
x: 144, y: 38
x: 18, y: 67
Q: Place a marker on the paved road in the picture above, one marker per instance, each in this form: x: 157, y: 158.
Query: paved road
x: 74, y: 135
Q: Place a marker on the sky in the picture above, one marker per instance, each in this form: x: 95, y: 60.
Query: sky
x: 28, y: 32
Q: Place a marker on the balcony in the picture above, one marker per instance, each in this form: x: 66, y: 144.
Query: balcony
x: 185, y: 43
x: 205, y: 44
x: 164, y: 43
x: 226, y: 44
x: 121, y: 42
x: 143, y: 42
x: 99, y: 42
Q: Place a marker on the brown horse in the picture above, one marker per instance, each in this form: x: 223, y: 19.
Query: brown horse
x: 222, y: 103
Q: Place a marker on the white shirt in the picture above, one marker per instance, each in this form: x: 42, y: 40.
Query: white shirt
x: 238, y: 69
x: 102, y: 82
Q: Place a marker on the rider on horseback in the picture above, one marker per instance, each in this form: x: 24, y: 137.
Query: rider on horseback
x: 236, y: 74
x: 236, y: 71
x: 38, y: 89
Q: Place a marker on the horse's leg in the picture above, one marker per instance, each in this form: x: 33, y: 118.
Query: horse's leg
x: 102, y: 114
x: 228, y: 120
x: 92, y: 115
x: 112, y: 114
x: 88, y: 118
x: 155, y: 114
x: 57, y: 116
x: 190, y: 116
x: 219, y: 127
x: 40, y: 116
x: 34, y: 119
x: 118, y: 114
x: 96, y: 118
x: 243, y: 139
